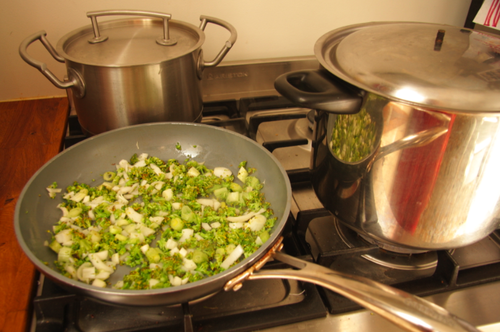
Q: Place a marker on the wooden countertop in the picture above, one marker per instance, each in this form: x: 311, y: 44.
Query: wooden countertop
x: 31, y: 133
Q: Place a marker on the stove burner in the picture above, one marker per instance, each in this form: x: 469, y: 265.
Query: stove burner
x: 396, y: 260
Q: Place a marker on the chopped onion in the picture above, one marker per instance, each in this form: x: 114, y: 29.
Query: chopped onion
x: 115, y: 258
x: 123, y: 164
x: 103, y: 255
x: 193, y: 172
x: 133, y: 215
x: 222, y: 172
x: 235, y: 225
x: 118, y: 285
x: 138, y: 236
x: 174, y: 251
x: 242, y: 174
x: 256, y: 223
x: 146, y: 231
x: 64, y: 237
x: 79, y: 272
x: 168, y: 194
x: 78, y: 197
x: 99, y: 283
x: 153, y: 282
x: 206, y: 201
x: 171, y: 244
x: 53, y: 191
x: 99, y: 264
x: 175, y: 281
x: 232, y: 257
x: 140, y: 163
x: 176, y: 205
x: 183, y: 252
x: 71, y: 270
x: 188, y: 265
x: 242, y: 218
x: 186, y: 234
x: 103, y: 275
x: 121, y: 198
x: 145, y: 248
x: 64, y: 210
x: 156, y: 169
x: 157, y: 219
x: 88, y: 273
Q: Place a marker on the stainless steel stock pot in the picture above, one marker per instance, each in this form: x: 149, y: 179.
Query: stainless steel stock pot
x: 406, y: 149
x: 147, y: 68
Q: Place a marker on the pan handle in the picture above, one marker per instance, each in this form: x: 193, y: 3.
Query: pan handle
x: 314, y: 89
x: 405, y: 310
x: 227, y: 45
x: 74, y: 79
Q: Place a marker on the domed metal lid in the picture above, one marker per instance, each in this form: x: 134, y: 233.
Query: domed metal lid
x: 130, y: 42
x: 428, y: 65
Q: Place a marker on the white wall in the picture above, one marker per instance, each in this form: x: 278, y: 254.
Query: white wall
x: 266, y: 28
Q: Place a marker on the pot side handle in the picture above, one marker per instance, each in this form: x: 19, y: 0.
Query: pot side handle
x: 227, y: 45
x: 409, y: 312
x: 314, y: 89
x: 74, y: 79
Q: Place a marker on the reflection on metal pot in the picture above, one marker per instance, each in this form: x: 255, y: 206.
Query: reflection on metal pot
x: 353, y: 136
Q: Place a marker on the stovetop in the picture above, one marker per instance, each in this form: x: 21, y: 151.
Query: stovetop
x: 241, y: 97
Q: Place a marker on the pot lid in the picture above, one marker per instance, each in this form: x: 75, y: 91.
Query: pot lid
x: 427, y: 65
x: 130, y: 42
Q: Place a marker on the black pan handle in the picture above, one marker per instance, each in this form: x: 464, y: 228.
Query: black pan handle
x: 315, y: 89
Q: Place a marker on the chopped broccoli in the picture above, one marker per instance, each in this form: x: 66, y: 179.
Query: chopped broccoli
x: 165, y: 219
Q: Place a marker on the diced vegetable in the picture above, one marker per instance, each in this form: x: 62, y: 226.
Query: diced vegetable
x: 173, y: 223
x: 233, y: 257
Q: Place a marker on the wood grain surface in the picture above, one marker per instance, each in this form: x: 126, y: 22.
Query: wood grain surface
x: 31, y: 133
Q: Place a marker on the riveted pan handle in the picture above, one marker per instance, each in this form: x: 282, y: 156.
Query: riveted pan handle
x: 227, y: 45
x: 74, y: 79
x: 409, y: 312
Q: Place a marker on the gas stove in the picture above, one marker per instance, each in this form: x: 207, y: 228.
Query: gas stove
x: 240, y: 96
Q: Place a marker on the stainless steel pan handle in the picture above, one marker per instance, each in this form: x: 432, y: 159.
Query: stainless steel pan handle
x: 163, y: 40
x: 405, y: 310
x: 74, y: 81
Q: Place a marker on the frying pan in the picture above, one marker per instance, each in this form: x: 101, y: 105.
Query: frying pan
x: 87, y: 161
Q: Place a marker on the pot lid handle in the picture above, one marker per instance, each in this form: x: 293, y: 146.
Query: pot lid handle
x: 164, y: 40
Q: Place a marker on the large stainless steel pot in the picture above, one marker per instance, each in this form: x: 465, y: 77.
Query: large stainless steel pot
x: 130, y: 71
x: 424, y: 100
x: 36, y: 213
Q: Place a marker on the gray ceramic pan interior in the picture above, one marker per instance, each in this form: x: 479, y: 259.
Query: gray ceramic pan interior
x: 87, y: 161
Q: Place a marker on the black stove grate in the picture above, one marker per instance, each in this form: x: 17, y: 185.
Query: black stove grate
x: 311, y: 235
x: 258, y: 304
